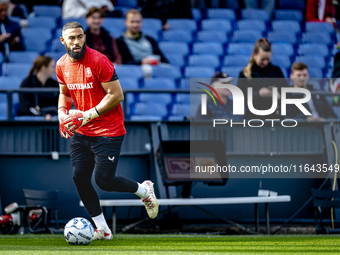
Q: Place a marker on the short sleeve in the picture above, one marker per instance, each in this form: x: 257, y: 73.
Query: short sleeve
x: 105, y: 70
x: 60, y: 76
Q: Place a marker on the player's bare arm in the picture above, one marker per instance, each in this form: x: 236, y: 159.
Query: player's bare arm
x: 64, y: 105
x: 113, y: 97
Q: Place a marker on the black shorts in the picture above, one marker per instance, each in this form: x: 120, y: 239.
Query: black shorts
x: 102, y: 150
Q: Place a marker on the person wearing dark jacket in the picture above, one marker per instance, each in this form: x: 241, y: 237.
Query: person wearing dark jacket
x: 137, y: 48
x: 256, y: 75
x: 10, y: 32
x: 318, y: 106
x: 98, y: 38
x: 40, y: 104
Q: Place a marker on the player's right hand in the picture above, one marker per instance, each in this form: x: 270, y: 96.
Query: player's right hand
x: 64, y: 132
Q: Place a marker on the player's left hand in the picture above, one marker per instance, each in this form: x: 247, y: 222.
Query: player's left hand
x: 77, y: 119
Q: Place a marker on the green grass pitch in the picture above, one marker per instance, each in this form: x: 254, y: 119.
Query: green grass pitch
x: 173, y: 244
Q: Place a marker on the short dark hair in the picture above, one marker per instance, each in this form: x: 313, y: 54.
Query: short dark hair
x: 72, y: 24
x: 95, y: 10
x: 299, y: 66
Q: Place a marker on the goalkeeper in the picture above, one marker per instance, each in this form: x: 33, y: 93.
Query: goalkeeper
x: 89, y: 79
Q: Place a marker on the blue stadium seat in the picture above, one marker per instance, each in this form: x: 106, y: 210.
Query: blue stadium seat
x: 117, y: 32
x: 47, y: 11
x: 282, y: 37
x: 286, y: 25
x: 117, y: 23
x: 174, y: 48
x: 312, y: 61
x: 176, y: 118
x: 182, y: 24
x: 29, y: 118
x: 289, y: 15
x: 281, y: 61
x: 178, y: 36
x: 166, y: 71
x: 175, y: 59
x: 36, y: 39
x: 11, y: 82
x: 182, y: 98
x: 127, y: 3
x: 284, y: 72
x: 208, y: 48
x: 319, y: 27
x: 45, y: 22
x: 58, y: 32
x: 316, y: 49
x: 236, y: 60
x: 212, y: 36
x: 19, y: 70
x: 315, y: 73
x: 199, y: 72
x: 180, y: 109
x: 240, y: 49
x: 255, y: 14
x: 184, y: 83
x: 233, y: 71
x: 23, y: 56
x: 129, y: 83
x: 57, y: 46
x: 217, y: 25
x: 283, y: 49
x: 3, y: 110
x: 159, y: 83
x: 161, y: 98
x: 221, y: 14
x: 196, y: 14
x: 317, y: 37
x: 81, y: 21
x: 150, y: 23
x: 250, y: 36
x: 145, y: 118
x: 131, y: 71
x: 292, y: 4
x: 152, y: 33
x: 204, y: 60
x: 55, y: 55
x: 252, y: 24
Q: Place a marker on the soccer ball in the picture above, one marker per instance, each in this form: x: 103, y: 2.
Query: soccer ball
x: 78, y: 231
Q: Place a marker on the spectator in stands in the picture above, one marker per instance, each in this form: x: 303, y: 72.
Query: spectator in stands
x: 18, y: 11
x: 40, y: 104
x: 98, y: 38
x: 164, y: 10
x: 137, y: 48
x: 79, y: 8
x: 252, y: 75
x: 218, y: 111
x: 10, y: 32
x: 268, y: 5
x: 320, y: 11
x: 318, y: 106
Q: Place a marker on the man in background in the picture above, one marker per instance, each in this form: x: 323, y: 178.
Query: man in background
x: 318, y: 106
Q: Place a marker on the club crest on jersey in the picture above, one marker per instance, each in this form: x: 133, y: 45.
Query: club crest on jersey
x: 88, y: 72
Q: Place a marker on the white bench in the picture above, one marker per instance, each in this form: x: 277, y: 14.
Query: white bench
x: 198, y: 201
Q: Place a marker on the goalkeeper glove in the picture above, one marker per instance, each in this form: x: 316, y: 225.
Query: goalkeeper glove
x: 78, y: 119
x: 64, y: 132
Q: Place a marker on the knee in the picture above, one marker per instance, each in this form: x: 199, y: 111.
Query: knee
x: 103, y: 182
x: 79, y: 177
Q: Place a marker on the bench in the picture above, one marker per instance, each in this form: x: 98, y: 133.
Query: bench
x: 198, y: 201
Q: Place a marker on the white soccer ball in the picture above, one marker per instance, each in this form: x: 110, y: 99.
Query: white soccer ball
x: 78, y: 231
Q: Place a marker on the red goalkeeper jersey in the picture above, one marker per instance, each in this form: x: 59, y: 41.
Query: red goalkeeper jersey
x: 84, y: 79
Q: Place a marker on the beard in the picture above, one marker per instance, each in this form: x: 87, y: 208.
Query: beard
x: 75, y: 55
